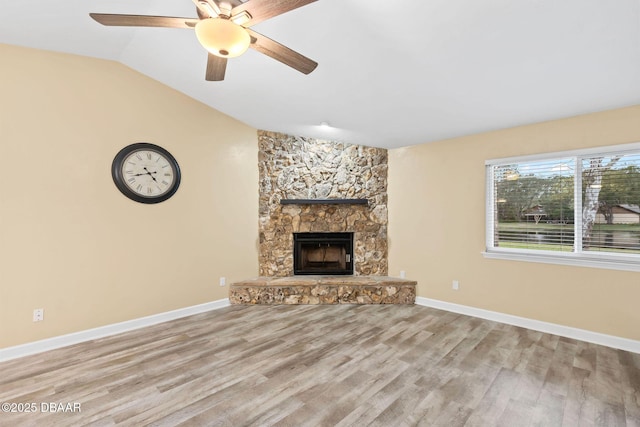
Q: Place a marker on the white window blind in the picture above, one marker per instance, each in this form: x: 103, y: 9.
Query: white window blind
x: 580, y: 204
x: 611, y: 203
x: 534, y: 205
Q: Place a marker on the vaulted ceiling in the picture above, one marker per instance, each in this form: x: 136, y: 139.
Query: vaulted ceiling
x: 391, y: 73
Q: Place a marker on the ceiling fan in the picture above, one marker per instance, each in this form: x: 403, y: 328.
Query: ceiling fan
x: 222, y: 27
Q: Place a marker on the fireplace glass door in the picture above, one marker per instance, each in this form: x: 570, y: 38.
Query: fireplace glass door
x: 323, y: 253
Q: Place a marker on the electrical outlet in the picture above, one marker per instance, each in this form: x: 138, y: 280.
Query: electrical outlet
x: 38, y: 315
x: 456, y: 285
x: 402, y: 274
x: 223, y: 281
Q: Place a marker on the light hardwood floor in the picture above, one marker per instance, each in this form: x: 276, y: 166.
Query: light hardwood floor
x: 332, y: 365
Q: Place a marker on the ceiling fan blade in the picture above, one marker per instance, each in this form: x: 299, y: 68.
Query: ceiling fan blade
x: 216, y: 67
x: 281, y: 53
x: 143, y: 21
x: 261, y: 10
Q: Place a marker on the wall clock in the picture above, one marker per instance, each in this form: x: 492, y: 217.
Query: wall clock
x: 146, y: 173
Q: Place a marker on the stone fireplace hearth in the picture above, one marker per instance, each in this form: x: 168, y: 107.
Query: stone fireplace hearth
x: 323, y: 290
x: 307, y: 169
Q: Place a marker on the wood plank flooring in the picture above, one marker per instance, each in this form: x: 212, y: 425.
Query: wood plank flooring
x: 328, y: 365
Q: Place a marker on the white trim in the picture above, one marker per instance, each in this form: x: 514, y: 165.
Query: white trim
x: 489, y: 210
x: 536, y: 325
x: 564, y: 258
x: 577, y: 202
x: 604, y: 150
x: 27, y: 349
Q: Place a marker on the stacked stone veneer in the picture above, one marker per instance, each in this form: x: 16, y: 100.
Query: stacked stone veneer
x: 323, y: 290
x: 293, y: 167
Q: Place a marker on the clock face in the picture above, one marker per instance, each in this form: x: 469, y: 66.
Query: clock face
x: 146, y: 173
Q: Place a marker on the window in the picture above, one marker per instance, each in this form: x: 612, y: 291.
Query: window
x: 580, y: 207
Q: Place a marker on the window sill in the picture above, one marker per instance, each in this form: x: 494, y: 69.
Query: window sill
x: 573, y: 259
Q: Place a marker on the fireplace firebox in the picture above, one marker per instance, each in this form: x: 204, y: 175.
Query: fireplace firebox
x: 323, y: 253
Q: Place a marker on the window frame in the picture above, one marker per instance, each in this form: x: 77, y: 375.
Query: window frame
x: 607, y: 260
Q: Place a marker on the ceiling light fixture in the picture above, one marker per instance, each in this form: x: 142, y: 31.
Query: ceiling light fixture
x: 222, y: 37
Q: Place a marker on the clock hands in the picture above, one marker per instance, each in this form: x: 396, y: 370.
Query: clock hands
x: 152, y: 177
x: 148, y: 173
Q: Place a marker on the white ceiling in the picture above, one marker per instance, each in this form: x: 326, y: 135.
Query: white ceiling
x: 391, y: 73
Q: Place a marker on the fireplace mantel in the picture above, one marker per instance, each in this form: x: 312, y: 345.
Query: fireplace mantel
x: 324, y: 201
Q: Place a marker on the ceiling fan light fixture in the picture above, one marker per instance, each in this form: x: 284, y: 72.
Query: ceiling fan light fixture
x: 222, y: 37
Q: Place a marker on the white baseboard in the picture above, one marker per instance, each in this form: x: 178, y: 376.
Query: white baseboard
x: 15, y: 352
x: 536, y: 325
x: 129, y: 325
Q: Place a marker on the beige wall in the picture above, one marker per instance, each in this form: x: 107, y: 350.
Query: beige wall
x: 70, y: 242
x: 437, y: 229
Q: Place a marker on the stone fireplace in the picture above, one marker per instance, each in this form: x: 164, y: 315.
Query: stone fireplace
x: 316, y: 186
x: 322, y: 225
